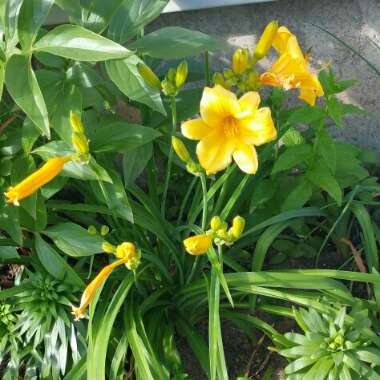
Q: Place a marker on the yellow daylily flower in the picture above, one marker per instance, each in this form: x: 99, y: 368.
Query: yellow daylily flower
x: 229, y: 128
x: 90, y: 291
x: 198, y: 244
x: 36, y: 180
x: 291, y: 69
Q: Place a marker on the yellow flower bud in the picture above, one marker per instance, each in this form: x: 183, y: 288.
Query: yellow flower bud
x: 266, y: 40
x: 76, y: 123
x: 198, y: 244
x: 216, y: 223
x: 148, y: 75
x: 80, y: 143
x: 126, y: 250
x: 171, y: 75
x: 181, y: 150
x: 104, y: 230
x: 238, y: 225
x: 134, y: 261
x: 240, y: 61
x: 92, y: 230
x: 108, y: 247
x: 181, y: 74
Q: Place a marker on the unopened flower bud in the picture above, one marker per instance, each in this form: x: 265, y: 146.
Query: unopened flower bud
x: 252, y: 80
x: 181, y: 150
x: 76, y: 123
x: 104, y: 230
x: 216, y: 223
x: 198, y: 244
x: 80, y: 143
x: 125, y: 250
x: 148, y: 75
x: 92, y: 230
x: 108, y: 247
x: 265, y: 41
x: 228, y: 73
x: 168, y: 88
x: 240, y: 61
x: 218, y: 78
x: 238, y: 225
x: 181, y: 74
x: 134, y: 261
x: 171, y: 75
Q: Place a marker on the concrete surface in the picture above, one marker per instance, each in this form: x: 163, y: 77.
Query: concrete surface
x: 355, y: 21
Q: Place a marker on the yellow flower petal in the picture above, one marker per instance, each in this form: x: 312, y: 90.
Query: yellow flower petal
x: 280, y: 41
x: 37, y: 179
x: 195, y: 129
x: 245, y: 157
x: 217, y: 103
x: 215, y: 152
x: 249, y: 102
x: 198, y: 244
x: 258, y: 128
x: 92, y: 287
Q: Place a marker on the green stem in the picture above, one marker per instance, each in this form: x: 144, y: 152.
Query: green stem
x: 207, y: 69
x: 173, y: 107
x: 185, y: 199
x: 204, y: 190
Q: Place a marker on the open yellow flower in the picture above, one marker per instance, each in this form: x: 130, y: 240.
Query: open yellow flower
x: 90, y: 291
x: 229, y: 128
x: 36, y: 180
x: 291, y: 69
x: 198, y: 244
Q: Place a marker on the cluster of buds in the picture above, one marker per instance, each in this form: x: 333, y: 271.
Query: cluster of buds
x: 125, y: 251
x: 182, y: 152
x: 173, y: 81
x: 219, y: 233
x: 79, y: 139
x: 104, y: 230
x: 242, y: 74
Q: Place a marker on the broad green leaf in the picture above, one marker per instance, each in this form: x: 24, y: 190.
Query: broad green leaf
x: 264, y: 191
x: 336, y: 110
x: 12, y: 11
x: 22, y: 167
x: 8, y: 253
x: 114, y: 196
x: 125, y: 74
x: 331, y: 85
x: 293, y: 137
x: 30, y: 134
x: 174, y: 43
x: 135, y: 161
x: 298, y: 195
x: 292, y: 157
x: 121, y: 136
x: 10, y: 222
x: 306, y: 115
x: 2, y: 77
x: 55, y: 264
x: 78, y: 43
x: 326, y: 147
x: 32, y: 15
x: 74, y: 240
x: 132, y: 16
x: 74, y: 169
x: 22, y: 84
x: 321, y: 177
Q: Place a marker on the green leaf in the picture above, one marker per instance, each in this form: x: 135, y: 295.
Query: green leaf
x: 298, y: 195
x: 368, y: 235
x: 31, y: 17
x: 29, y: 135
x: 321, y: 177
x: 135, y: 161
x: 326, y: 148
x: 331, y: 85
x: 132, y: 16
x: 175, y: 43
x: 126, y: 76
x: 55, y: 264
x: 74, y: 240
x: 336, y: 110
x: 10, y: 223
x: 74, y: 169
x: 22, y: 84
x: 263, y: 192
x: 2, y: 77
x: 12, y: 11
x: 292, y: 157
x: 22, y: 167
x: 114, y: 196
x: 293, y: 137
x: 121, y: 136
x: 75, y: 42
x: 8, y: 253
x: 306, y: 115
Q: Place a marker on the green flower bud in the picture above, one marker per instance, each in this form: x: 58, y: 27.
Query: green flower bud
x: 148, y: 75
x: 181, y: 74
x: 92, y: 230
x: 104, y: 230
